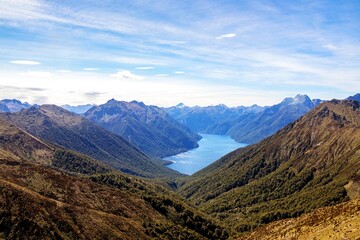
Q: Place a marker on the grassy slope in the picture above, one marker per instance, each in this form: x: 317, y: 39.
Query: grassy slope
x: 41, y: 199
x: 302, y: 167
x: 329, y: 223
x: 44, y: 203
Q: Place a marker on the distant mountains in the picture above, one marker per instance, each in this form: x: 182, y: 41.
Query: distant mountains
x: 149, y: 128
x: 79, y: 109
x: 71, y: 131
x: 13, y: 105
x: 255, y: 126
x: 244, y: 124
x: 204, y: 119
x: 356, y: 97
x: 302, y: 167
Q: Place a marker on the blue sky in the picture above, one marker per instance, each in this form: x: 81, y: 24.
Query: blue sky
x: 164, y: 52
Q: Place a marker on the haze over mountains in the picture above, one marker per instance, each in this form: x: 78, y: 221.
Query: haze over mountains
x: 79, y: 109
x: 13, y: 105
x: 244, y: 124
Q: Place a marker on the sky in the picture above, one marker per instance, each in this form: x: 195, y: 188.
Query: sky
x: 163, y: 52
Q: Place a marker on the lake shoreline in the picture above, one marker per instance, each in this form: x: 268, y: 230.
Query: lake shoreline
x: 211, y: 148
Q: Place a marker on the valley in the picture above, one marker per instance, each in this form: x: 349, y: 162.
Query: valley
x: 61, y: 163
x: 179, y: 120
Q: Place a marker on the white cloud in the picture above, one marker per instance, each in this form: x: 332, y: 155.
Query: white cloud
x: 40, y: 74
x: 25, y: 62
x: 63, y: 71
x: 144, y: 68
x: 228, y: 35
x: 90, y: 69
x: 179, y: 72
x: 126, y: 75
x: 162, y: 75
x: 330, y: 46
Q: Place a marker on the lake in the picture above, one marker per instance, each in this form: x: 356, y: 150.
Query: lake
x: 211, y: 148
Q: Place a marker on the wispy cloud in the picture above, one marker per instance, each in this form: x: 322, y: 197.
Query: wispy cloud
x: 162, y: 75
x: 329, y: 46
x: 126, y: 75
x: 41, y: 74
x: 25, y: 62
x: 273, y: 49
x: 145, y: 68
x: 228, y: 35
x: 91, y: 69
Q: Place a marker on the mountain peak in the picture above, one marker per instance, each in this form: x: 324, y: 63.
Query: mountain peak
x: 301, y: 98
x: 13, y: 105
x: 141, y: 104
x: 148, y: 128
x: 180, y: 105
x: 355, y: 97
x: 112, y: 101
x: 298, y: 99
x: 11, y: 101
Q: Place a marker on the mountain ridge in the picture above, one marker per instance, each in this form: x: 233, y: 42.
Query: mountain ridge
x: 69, y: 130
x: 244, y: 124
x: 149, y: 128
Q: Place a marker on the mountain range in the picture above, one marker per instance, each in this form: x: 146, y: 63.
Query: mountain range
x: 356, y: 97
x: 62, y: 176
x: 203, y: 119
x: 244, y: 124
x: 149, y: 128
x: 71, y: 131
x: 79, y: 109
x: 13, y: 105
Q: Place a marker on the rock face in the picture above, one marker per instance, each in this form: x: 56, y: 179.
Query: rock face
x: 244, y: 124
x: 149, y: 128
x: 300, y: 168
x: 74, y: 132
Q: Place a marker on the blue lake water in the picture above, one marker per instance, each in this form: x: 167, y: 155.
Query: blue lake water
x: 211, y: 148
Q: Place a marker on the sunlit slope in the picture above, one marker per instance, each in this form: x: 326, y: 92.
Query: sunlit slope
x: 74, y: 132
x: 149, y: 128
x: 329, y: 223
x: 302, y: 167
